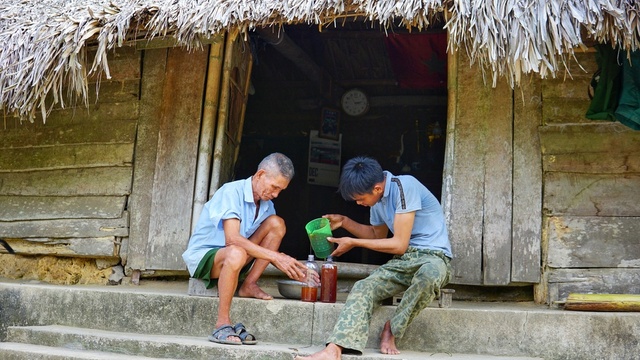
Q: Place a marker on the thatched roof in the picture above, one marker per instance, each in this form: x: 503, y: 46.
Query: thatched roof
x: 44, y: 41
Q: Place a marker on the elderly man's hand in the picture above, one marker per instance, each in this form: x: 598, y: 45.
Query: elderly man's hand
x: 291, y: 267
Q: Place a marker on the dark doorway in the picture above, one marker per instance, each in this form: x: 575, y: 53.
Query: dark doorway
x: 403, y: 127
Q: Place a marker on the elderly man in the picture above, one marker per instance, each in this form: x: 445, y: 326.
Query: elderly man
x: 237, y: 236
x: 420, y: 267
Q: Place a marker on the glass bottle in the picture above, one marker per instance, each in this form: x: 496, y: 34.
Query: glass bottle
x: 310, y: 288
x: 328, y: 281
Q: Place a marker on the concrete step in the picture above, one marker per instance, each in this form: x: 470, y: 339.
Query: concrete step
x: 93, y: 341
x: 164, y: 308
x: 20, y: 351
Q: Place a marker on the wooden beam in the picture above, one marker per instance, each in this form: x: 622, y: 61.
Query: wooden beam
x: 603, y: 302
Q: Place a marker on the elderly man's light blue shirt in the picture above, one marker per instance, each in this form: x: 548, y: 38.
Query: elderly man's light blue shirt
x: 403, y: 194
x: 234, y: 200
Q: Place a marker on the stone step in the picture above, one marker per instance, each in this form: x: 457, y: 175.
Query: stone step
x: 91, y: 341
x: 21, y: 351
x: 164, y: 308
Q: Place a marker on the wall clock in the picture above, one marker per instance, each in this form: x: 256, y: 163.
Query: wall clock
x: 355, y: 102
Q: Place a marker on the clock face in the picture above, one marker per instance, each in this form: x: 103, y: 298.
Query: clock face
x: 355, y: 102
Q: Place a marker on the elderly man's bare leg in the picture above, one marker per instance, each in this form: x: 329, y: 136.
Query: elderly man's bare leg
x: 330, y: 352
x: 269, y: 235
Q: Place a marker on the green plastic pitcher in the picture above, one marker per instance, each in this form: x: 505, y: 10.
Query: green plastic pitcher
x: 319, y: 230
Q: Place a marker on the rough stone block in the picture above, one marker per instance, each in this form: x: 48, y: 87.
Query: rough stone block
x: 197, y: 287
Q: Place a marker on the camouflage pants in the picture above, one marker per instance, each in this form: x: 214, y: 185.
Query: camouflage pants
x: 419, y: 273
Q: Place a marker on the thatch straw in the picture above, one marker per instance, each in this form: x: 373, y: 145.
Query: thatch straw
x: 43, y: 42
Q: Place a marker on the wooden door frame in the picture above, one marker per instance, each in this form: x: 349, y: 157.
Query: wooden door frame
x: 494, y: 223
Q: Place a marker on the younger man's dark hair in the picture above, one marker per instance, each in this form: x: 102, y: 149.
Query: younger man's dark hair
x: 359, y: 175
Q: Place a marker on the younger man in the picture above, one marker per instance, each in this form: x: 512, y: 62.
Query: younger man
x: 239, y: 234
x: 420, y: 267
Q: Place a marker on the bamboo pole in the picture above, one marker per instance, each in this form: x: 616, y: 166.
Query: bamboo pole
x: 245, y: 96
x: 603, y: 302
x: 220, y: 149
x: 207, y: 129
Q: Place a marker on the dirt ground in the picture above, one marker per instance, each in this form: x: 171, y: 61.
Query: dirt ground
x: 54, y: 270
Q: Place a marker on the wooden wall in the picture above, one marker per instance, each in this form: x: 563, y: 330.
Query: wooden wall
x: 591, y: 197
x: 64, y: 184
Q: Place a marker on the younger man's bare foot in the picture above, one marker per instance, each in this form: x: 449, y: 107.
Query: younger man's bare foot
x: 252, y: 290
x: 331, y: 352
x: 388, y: 341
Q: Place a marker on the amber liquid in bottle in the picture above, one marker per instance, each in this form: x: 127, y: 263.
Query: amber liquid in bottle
x: 309, y: 293
x: 328, y: 281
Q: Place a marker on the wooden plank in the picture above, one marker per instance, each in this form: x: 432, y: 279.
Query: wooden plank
x: 124, y: 62
x: 65, y: 228
x: 464, y: 178
x: 498, y: 186
x: 595, y: 137
x: 566, y: 111
x: 562, y: 282
x: 15, y: 208
x: 575, y: 89
x: 593, y: 242
x: 174, y: 178
x: 527, y: 184
x: 596, y: 163
x: 116, y: 91
x: 592, y: 194
x: 107, y: 132
x: 95, y: 112
x: 87, y: 181
x: 154, y: 68
x: 66, y: 156
x: 74, y: 247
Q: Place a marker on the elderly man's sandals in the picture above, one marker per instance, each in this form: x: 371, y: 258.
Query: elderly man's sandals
x: 221, y: 335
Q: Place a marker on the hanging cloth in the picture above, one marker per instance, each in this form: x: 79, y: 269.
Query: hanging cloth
x: 628, y: 111
x: 606, y: 83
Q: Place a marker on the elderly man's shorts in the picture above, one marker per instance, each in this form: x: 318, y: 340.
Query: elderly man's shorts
x: 203, y: 271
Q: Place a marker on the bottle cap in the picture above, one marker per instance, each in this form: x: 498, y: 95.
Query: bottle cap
x: 329, y: 258
x: 310, y: 258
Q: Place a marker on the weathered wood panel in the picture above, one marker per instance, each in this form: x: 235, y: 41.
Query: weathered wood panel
x: 598, y: 163
x: 565, y: 99
x: 89, y: 181
x: 114, y: 91
x: 66, y: 156
x: 594, y: 137
x: 592, y: 194
x: 465, y: 177
x: 83, y: 247
x: 566, y: 89
x: 593, y: 242
x: 107, y: 132
x: 14, y: 208
x: 527, y: 183
x: 498, y: 185
x: 66, y: 228
x: 604, y: 281
x: 152, y: 85
x: 562, y: 111
x: 124, y: 63
x: 174, y: 177
x: 96, y: 112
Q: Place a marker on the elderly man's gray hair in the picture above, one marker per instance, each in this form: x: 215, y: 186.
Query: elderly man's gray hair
x: 278, y: 163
